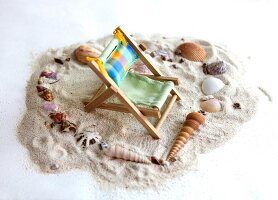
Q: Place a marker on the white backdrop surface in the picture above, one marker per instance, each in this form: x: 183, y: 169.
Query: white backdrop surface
x: 244, y: 168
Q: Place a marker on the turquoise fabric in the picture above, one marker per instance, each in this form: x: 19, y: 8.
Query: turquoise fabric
x: 117, y: 60
x: 142, y: 90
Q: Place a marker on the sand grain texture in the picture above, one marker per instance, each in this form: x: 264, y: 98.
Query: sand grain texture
x: 48, y: 148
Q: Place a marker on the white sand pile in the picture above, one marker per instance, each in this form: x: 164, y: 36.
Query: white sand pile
x: 56, y: 152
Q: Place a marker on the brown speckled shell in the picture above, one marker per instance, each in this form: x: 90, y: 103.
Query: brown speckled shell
x: 215, y: 68
x: 192, y: 51
x: 192, y: 122
x: 84, y: 51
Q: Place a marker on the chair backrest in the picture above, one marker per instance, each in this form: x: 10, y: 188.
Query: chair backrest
x: 117, y: 59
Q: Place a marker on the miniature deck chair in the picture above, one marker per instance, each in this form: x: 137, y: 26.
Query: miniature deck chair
x: 133, y: 90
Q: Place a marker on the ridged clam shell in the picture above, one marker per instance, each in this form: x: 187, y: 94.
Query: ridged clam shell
x: 215, y: 68
x: 84, y: 51
x: 212, y: 85
x: 117, y: 151
x: 211, y: 105
x: 192, y: 51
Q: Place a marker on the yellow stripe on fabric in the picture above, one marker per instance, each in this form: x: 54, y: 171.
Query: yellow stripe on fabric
x: 100, y: 65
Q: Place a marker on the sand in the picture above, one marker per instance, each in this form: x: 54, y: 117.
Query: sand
x: 54, y: 152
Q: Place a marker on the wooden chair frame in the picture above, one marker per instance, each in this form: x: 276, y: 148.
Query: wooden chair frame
x: 109, y: 88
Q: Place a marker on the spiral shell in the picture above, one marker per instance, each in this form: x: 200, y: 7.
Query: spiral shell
x: 215, y: 68
x: 117, y: 151
x: 191, y: 51
x: 192, y: 122
x: 84, y: 51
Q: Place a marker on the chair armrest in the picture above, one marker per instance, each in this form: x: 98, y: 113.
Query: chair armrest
x: 163, y: 78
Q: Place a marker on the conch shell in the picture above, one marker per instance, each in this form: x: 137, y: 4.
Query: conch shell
x: 117, y: 151
x: 192, y: 122
x: 84, y: 51
x: 191, y: 51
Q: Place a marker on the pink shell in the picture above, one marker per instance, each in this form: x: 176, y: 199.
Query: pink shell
x: 49, y: 107
x: 211, y: 105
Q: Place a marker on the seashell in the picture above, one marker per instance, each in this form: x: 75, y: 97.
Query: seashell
x: 84, y: 51
x: 164, y: 54
x: 102, y: 146
x: 40, y: 88
x: 49, y: 107
x: 46, y: 95
x: 141, y: 68
x: 192, y: 122
x: 87, y: 138
x: 191, y: 51
x: 58, y: 117
x: 204, y: 98
x: 67, y: 126
x: 49, y: 74
x: 211, y: 105
x: 212, y: 85
x: 215, y: 68
x: 117, y: 151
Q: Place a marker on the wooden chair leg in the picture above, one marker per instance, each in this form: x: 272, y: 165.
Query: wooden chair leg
x: 166, y: 112
x: 100, y: 99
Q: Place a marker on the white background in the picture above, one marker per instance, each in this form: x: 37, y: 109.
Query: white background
x: 245, y: 168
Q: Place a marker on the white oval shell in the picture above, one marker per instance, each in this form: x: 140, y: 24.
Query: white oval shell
x: 212, y: 85
x: 211, y: 105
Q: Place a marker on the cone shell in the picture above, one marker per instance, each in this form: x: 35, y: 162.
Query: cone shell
x: 192, y: 122
x: 211, y: 105
x: 212, y: 85
x: 117, y: 151
x: 192, y: 51
x: 85, y: 51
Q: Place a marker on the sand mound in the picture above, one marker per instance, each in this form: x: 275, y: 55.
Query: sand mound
x: 56, y: 152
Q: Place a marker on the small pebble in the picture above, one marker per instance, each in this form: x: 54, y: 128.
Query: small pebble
x: 163, y: 57
x: 152, y: 54
x: 237, y: 106
x: 67, y: 59
x: 170, y: 60
x: 59, y: 61
x: 54, y: 167
x: 174, y: 66
x: 181, y: 60
x: 102, y: 145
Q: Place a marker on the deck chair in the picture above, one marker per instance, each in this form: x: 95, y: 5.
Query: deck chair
x: 112, y: 67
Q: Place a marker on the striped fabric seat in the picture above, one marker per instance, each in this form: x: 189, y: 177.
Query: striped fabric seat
x: 118, y: 61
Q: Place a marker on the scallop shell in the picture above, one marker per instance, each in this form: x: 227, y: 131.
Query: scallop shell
x: 192, y: 51
x: 211, y: 105
x: 215, y: 68
x: 84, y: 51
x: 87, y: 138
x: 212, y: 85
